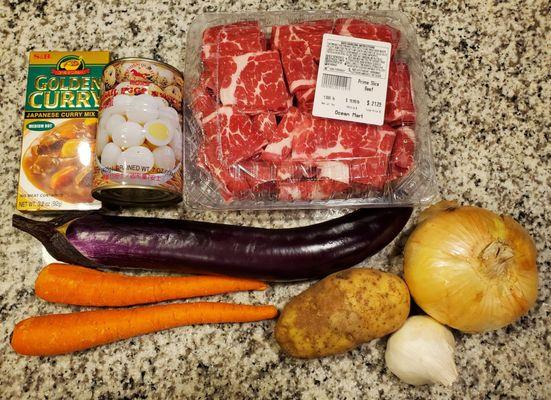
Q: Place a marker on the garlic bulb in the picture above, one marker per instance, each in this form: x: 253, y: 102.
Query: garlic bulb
x: 470, y: 268
x: 421, y: 352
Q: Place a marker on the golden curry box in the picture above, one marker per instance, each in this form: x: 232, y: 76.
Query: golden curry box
x: 59, y: 130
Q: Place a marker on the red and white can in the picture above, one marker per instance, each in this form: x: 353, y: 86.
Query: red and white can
x: 139, y: 137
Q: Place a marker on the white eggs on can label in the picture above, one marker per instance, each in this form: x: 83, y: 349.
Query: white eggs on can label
x: 139, y: 142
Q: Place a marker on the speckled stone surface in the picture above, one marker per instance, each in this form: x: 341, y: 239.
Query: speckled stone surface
x: 487, y: 70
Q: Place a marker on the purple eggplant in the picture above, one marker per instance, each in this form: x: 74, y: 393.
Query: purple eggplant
x: 309, y: 252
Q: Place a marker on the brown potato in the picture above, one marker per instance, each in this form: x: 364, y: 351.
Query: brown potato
x: 341, y: 312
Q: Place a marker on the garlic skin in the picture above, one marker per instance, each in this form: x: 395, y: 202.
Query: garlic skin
x: 421, y: 352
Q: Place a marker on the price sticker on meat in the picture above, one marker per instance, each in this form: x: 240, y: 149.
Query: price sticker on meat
x: 352, y: 79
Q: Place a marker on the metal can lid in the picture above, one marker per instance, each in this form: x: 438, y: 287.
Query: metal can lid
x: 150, y: 60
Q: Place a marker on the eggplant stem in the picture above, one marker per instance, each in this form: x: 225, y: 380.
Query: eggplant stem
x: 53, y: 239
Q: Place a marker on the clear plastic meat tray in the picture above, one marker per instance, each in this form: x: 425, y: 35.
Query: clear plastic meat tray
x: 254, y: 136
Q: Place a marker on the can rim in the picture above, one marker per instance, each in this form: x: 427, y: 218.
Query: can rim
x: 151, y: 60
x: 102, y: 193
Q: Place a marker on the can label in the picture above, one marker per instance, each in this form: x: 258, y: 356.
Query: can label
x: 139, y: 139
x: 61, y: 109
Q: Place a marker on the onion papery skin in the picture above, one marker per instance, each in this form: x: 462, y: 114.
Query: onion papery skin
x: 470, y: 268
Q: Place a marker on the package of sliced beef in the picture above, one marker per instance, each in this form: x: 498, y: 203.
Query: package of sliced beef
x: 305, y: 110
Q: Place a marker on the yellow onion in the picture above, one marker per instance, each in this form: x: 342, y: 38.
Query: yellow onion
x: 470, y: 268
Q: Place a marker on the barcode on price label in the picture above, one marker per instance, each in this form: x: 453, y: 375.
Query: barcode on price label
x: 352, y: 79
x: 336, y: 81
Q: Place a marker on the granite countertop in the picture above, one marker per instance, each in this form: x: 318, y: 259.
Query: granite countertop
x: 487, y: 76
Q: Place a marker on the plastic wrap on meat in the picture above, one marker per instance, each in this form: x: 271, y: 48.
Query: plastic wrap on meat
x: 253, y: 83
x: 402, y: 156
x: 257, y: 173
x: 207, y: 80
x: 309, y: 32
x: 311, y: 190
x: 370, y: 171
x: 231, y: 182
x: 202, y: 103
x: 338, y: 171
x: 292, y: 170
x: 399, y: 109
x: 368, y: 30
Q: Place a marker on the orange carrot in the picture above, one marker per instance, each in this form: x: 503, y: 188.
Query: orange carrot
x: 64, y: 333
x: 71, y: 284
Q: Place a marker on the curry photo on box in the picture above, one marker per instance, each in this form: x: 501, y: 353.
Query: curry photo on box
x: 59, y: 130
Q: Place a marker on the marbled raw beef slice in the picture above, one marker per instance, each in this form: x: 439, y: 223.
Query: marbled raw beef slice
x: 323, y: 139
x: 326, y: 139
x: 374, y: 140
x: 399, y: 108
x: 279, y: 148
x: 299, y: 66
x: 253, y: 83
x: 234, y: 134
x: 265, y: 124
x: 370, y: 165
x: 368, y: 30
x: 232, y: 39
x: 336, y: 147
x: 309, y: 32
x: 305, y: 99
